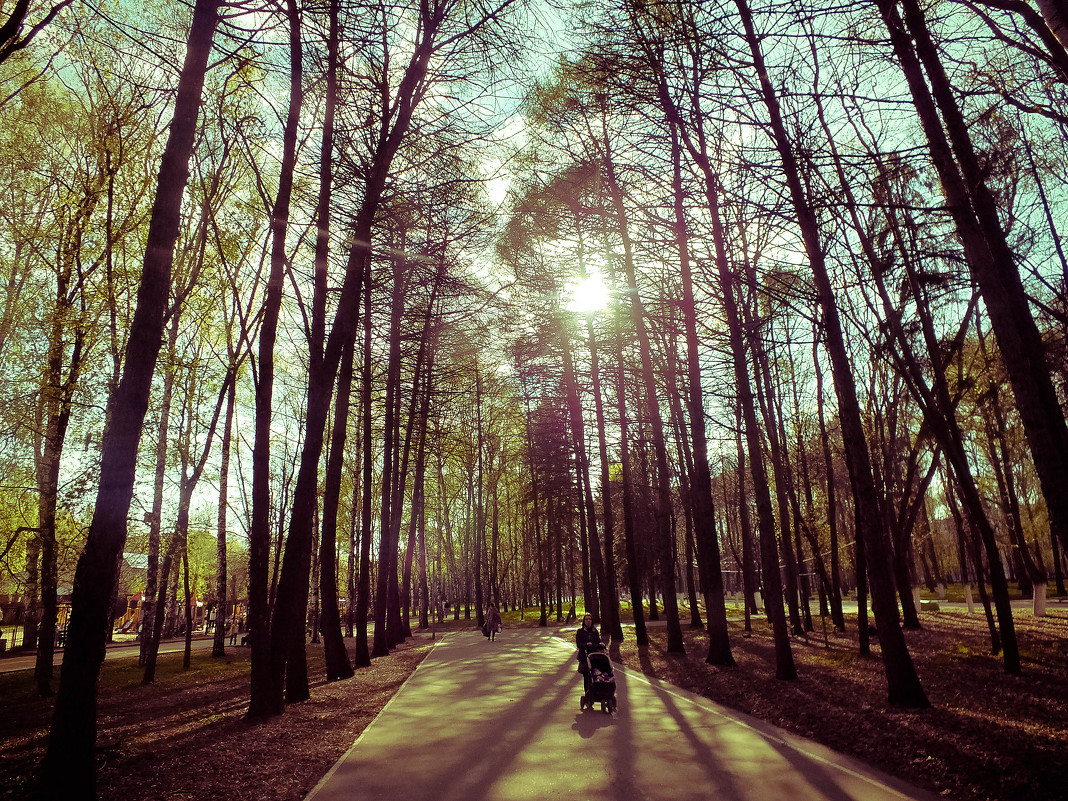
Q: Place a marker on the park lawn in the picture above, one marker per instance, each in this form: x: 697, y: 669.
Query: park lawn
x: 987, y: 735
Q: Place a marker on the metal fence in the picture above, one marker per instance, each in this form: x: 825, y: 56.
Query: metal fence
x: 12, y: 636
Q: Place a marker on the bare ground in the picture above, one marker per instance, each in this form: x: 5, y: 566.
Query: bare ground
x: 987, y: 736
x: 185, y: 737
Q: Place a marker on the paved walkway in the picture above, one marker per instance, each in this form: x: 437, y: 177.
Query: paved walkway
x: 117, y: 650
x: 481, y: 721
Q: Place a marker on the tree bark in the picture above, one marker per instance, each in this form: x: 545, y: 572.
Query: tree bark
x: 611, y: 599
x: 69, y: 763
x: 973, y: 208
x: 903, y: 684
x: 765, y: 397
x: 267, y: 640
x: 397, y: 117
x: 749, y: 578
x: 832, y: 498
x: 179, y: 540
x: 582, y: 468
x: 56, y: 404
x: 663, y: 509
x: 785, y: 668
x: 362, y: 656
x: 222, y: 610
x: 155, y: 521
x: 630, y: 534
x: 384, y: 638
x: 336, y: 657
x: 719, y: 649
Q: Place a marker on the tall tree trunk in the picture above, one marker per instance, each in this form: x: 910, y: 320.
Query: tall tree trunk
x: 424, y: 583
x: 804, y: 520
x: 353, y: 575
x: 969, y: 550
x: 397, y: 626
x: 749, y: 579
x: 396, y: 122
x: 187, y: 596
x: 69, y: 764
x: 418, y: 521
x: 477, y: 498
x: 832, y: 498
x: 269, y: 641
x: 769, y: 553
x: 315, y: 612
x: 893, y: 520
x: 1001, y: 461
x: 398, y: 623
x: 337, y: 659
x: 765, y: 392
x: 535, y: 499
x: 56, y: 403
x: 387, y: 546
x: 663, y: 508
x: 179, y: 542
x: 362, y: 656
x: 223, y: 611
x: 611, y: 593
x: 939, y: 413
x: 992, y: 262
x: 154, y: 627
x: 630, y: 533
x: 785, y: 668
x: 582, y: 468
x: 719, y: 649
x: 903, y: 684
x: 555, y: 525
x: 1058, y: 573
x: 155, y: 521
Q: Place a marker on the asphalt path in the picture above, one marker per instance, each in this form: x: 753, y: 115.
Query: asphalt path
x: 116, y: 651
x: 500, y: 721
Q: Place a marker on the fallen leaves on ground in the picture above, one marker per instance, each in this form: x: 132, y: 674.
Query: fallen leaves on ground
x: 186, y: 735
x: 987, y: 735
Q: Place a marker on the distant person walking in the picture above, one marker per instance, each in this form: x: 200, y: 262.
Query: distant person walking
x: 587, y: 639
x: 233, y: 630
x: 493, y: 622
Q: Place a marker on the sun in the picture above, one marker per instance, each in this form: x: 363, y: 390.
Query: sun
x: 587, y: 295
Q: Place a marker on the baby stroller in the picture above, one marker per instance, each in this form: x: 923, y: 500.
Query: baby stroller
x: 602, y: 683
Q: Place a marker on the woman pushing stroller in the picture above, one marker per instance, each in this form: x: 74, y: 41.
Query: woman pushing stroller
x: 598, y: 680
x: 587, y: 639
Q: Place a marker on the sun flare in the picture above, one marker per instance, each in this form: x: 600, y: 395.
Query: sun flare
x: 589, y: 294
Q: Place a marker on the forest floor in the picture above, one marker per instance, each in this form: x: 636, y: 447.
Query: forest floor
x: 987, y: 735
x: 185, y: 737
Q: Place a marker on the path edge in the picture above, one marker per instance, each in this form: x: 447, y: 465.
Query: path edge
x: 337, y: 764
x: 806, y: 746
